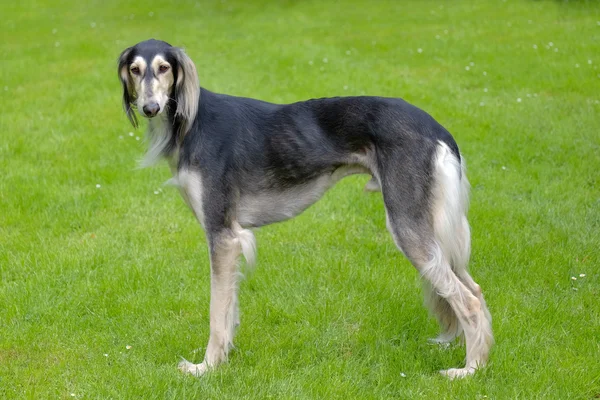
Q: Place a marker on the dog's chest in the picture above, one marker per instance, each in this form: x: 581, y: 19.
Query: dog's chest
x: 190, y: 187
x: 254, y: 210
x: 259, y: 208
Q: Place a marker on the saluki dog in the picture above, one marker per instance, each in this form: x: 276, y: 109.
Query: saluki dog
x: 242, y: 163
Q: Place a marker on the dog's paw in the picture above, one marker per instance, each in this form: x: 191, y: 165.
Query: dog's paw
x: 454, y: 373
x: 196, y: 370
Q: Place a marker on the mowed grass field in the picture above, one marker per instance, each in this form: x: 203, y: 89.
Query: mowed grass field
x: 105, y: 274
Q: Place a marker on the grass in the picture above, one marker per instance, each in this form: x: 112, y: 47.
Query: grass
x: 332, y: 310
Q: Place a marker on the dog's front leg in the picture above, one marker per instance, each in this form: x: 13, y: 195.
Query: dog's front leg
x: 225, y: 249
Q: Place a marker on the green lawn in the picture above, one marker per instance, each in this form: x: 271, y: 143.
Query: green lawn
x: 96, y: 256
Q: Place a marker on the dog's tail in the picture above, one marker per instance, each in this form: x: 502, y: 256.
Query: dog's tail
x: 451, y: 233
x: 450, y: 207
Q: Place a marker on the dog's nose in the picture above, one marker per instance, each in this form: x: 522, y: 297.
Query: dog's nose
x: 151, y: 109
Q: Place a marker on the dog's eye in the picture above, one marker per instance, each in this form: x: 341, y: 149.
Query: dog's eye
x: 135, y: 70
x: 163, y: 68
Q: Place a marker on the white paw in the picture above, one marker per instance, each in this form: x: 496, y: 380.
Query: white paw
x: 454, y: 373
x: 194, y: 369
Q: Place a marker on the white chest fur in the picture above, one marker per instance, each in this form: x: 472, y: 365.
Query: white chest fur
x: 158, y: 136
x: 190, y: 186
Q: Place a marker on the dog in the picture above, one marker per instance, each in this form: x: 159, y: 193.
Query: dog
x: 242, y: 163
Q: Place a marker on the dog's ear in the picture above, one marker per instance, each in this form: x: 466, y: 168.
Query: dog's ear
x: 128, y: 90
x: 187, y: 91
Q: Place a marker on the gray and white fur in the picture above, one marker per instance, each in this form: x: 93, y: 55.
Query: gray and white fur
x: 242, y: 163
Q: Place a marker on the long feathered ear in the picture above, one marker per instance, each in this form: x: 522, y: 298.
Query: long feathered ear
x: 129, y: 95
x: 187, y: 91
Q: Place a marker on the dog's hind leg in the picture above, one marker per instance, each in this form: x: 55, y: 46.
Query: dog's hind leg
x: 443, y: 312
x: 427, y: 220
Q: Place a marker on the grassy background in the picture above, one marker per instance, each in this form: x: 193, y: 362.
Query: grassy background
x: 332, y: 310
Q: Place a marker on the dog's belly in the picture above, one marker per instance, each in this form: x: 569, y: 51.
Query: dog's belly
x: 272, y: 206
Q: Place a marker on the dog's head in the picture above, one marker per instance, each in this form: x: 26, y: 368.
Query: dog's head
x: 156, y: 76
